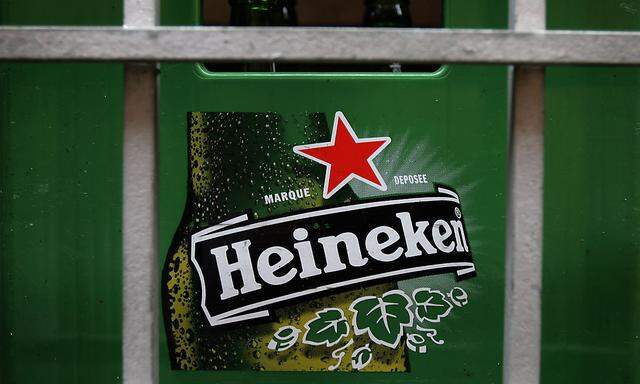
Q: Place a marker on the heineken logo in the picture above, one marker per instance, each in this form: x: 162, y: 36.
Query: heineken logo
x: 346, y: 157
x: 247, y: 267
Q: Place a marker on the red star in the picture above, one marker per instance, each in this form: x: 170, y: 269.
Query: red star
x: 346, y: 157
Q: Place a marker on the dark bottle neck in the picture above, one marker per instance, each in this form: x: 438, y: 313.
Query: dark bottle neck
x: 387, y: 14
x: 262, y: 13
x: 287, y: 10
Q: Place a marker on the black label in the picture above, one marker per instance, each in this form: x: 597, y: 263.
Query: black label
x: 248, y: 266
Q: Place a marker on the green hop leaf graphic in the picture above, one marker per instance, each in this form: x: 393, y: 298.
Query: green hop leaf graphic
x: 431, y: 305
x: 327, y: 328
x: 284, y: 338
x: 383, y: 318
x: 361, y: 357
x: 458, y: 297
x: 417, y: 343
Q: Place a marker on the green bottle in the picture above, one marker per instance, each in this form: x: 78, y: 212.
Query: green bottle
x: 236, y: 160
x: 257, y: 13
x: 387, y: 14
x: 288, y: 12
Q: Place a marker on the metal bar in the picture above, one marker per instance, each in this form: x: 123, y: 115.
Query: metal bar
x: 527, y: 15
x: 140, y: 13
x: 319, y: 45
x: 525, y: 212
x: 140, y: 312
x: 524, y: 230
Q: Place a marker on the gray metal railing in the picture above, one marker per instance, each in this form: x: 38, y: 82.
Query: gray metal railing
x: 147, y: 43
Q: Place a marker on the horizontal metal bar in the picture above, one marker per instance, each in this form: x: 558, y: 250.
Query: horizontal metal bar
x: 319, y: 45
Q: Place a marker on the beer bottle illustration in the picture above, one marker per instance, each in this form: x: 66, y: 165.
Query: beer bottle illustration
x: 238, y: 163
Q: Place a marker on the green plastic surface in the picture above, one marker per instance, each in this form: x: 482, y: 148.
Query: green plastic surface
x: 60, y: 208
x: 461, y: 111
x: 591, y: 266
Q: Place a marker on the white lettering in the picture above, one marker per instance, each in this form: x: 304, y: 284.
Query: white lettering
x: 309, y: 267
x: 410, y: 179
x: 291, y: 195
x: 439, y: 237
x: 461, y: 239
x: 375, y: 247
x: 332, y: 256
x: 243, y: 265
x: 414, y: 238
x: 267, y: 271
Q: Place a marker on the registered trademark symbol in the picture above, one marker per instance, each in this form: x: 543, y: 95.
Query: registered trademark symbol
x: 458, y: 213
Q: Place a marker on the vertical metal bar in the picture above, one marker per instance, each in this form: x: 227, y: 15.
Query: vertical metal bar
x: 527, y: 15
x: 140, y: 312
x: 140, y: 13
x: 525, y: 214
